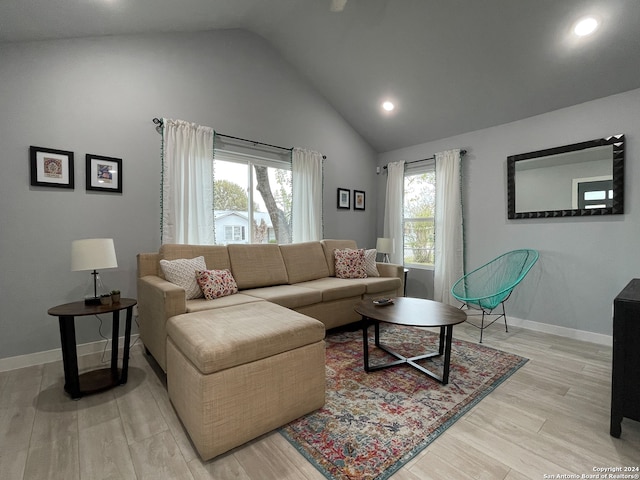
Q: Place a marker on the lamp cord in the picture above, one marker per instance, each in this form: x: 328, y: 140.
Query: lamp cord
x: 104, y: 360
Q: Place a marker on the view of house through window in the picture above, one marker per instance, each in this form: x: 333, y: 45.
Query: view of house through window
x: 419, y: 210
x: 252, y: 199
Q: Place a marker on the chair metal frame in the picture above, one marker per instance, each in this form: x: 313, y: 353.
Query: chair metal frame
x: 489, y: 301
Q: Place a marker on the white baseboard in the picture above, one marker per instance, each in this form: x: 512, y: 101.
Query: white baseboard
x: 49, y: 356
x: 599, y: 338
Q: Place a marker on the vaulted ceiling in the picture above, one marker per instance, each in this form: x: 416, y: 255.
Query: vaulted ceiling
x: 449, y: 66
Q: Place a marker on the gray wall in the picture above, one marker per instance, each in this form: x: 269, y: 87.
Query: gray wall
x: 98, y: 96
x: 584, y: 262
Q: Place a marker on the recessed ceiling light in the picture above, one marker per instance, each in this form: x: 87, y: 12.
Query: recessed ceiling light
x: 337, y: 5
x: 585, y: 26
x: 388, y: 106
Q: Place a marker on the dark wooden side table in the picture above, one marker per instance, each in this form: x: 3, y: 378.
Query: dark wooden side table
x: 96, y: 380
x: 625, y: 388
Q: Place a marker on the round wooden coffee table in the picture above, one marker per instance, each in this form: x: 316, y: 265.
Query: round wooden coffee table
x: 415, y: 312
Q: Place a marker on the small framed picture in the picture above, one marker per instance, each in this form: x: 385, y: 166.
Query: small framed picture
x: 104, y: 174
x: 344, y: 198
x: 358, y: 200
x: 51, y: 168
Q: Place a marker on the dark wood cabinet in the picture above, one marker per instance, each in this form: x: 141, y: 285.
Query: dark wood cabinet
x: 625, y: 382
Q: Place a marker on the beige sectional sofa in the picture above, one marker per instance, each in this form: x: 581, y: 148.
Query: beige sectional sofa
x: 298, y: 276
x: 243, y: 364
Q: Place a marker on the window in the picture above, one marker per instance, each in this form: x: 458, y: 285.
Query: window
x: 252, y: 195
x: 234, y: 234
x: 418, y: 215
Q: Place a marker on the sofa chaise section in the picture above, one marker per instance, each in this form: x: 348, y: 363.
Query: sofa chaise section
x: 238, y: 372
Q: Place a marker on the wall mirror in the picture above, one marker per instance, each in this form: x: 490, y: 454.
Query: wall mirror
x: 585, y: 178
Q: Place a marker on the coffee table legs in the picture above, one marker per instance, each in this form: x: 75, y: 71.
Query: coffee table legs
x: 444, y: 347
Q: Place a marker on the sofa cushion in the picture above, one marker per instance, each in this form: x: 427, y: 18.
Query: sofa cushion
x: 336, y: 288
x: 202, y: 304
x: 257, y: 265
x: 329, y: 246
x: 370, y: 263
x: 290, y: 296
x: 182, y: 272
x: 375, y: 285
x: 350, y: 263
x: 304, y: 261
x: 223, y: 338
x: 216, y: 283
x: 215, y: 256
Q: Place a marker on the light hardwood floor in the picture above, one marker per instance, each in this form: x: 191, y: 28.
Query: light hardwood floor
x: 550, y: 418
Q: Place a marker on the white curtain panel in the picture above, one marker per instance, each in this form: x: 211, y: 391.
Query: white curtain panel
x: 187, y: 183
x: 306, y: 181
x: 448, y: 226
x: 393, y: 210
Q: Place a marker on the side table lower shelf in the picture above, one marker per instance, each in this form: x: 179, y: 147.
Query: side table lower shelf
x: 98, y: 380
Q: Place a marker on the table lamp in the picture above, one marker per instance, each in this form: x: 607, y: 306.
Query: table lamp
x: 93, y: 254
x: 385, y: 246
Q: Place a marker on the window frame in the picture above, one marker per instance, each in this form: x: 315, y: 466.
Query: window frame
x: 248, y: 157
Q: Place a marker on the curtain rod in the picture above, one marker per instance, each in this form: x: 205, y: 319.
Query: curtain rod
x: 159, y: 124
x: 254, y: 142
x: 432, y: 157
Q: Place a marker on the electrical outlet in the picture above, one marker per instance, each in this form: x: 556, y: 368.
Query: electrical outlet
x: 135, y: 310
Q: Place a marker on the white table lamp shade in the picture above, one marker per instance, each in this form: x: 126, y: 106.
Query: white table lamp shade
x: 384, y: 245
x: 93, y: 254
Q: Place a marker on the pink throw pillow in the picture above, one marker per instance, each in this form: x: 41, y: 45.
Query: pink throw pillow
x: 350, y: 263
x: 216, y: 283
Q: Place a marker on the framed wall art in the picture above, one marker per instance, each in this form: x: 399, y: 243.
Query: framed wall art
x: 51, y: 168
x: 104, y: 174
x: 344, y: 198
x: 358, y: 200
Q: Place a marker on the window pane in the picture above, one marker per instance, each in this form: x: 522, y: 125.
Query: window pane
x: 419, y: 242
x: 254, y: 201
x: 419, y: 209
x: 231, y: 201
x: 595, y: 195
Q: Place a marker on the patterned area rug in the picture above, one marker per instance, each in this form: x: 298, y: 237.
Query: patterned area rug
x: 374, y: 423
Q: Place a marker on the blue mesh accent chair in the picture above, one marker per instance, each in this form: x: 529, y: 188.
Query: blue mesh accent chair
x: 490, y: 285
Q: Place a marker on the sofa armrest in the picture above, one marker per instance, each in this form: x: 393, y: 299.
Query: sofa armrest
x: 158, y: 300
x: 148, y: 264
x: 392, y: 270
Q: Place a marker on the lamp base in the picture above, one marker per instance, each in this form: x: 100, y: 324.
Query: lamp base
x: 92, y: 301
x: 94, y: 290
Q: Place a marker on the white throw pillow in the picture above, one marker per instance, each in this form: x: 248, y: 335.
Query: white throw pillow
x: 370, y: 263
x: 182, y: 272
